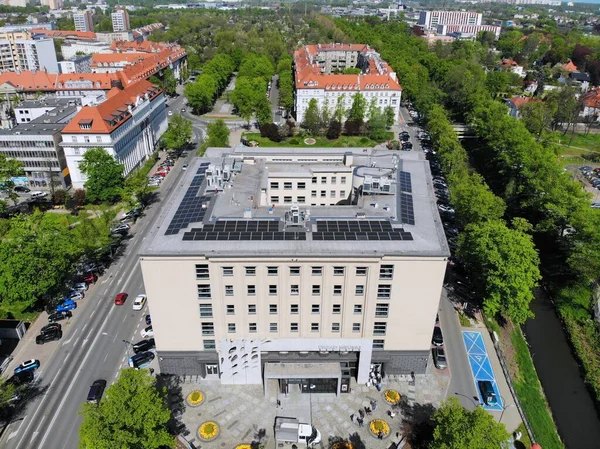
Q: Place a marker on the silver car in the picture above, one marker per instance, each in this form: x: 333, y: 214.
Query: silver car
x: 439, y: 358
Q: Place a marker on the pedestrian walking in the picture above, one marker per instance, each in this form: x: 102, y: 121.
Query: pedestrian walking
x: 367, y: 411
x: 392, y: 414
x: 374, y: 405
x: 380, y: 435
x: 361, y: 422
x: 361, y: 413
x: 353, y: 418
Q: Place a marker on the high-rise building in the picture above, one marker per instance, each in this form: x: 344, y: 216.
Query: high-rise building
x: 431, y: 19
x: 19, y: 52
x: 83, y: 21
x: 120, y: 20
x: 292, y: 264
x: 53, y: 4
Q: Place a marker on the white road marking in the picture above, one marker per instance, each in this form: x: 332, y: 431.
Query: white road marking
x: 12, y: 435
x: 62, y: 403
x: 66, y: 342
x: 41, y: 421
x: 104, y: 281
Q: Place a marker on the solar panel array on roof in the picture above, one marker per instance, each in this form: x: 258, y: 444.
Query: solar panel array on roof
x: 407, y: 212
x: 405, y: 182
x: 237, y: 235
x: 190, y: 209
x: 242, y: 226
x: 358, y: 230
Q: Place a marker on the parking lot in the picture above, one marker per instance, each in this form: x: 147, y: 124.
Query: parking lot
x: 481, y: 368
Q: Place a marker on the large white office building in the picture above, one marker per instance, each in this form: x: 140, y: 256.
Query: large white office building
x: 317, y: 73
x: 305, y: 268
x: 128, y: 125
x: 431, y: 19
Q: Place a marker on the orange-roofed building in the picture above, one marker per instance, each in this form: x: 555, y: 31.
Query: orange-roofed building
x: 128, y: 125
x: 317, y: 75
x: 516, y: 103
x: 570, y: 67
x: 64, y: 34
x: 115, y: 62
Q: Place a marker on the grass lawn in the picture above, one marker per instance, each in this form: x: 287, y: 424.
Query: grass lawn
x: 297, y: 142
x: 529, y: 391
x: 589, y: 141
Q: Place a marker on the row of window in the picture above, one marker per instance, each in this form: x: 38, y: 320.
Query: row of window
x: 382, y: 310
x: 27, y: 144
x: 384, y: 291
x: 288, y: 185
x: 40, y: 164
x: 313, y: 194
x: 385, y: 271
x: 210, y: 345
x: 208, y: 328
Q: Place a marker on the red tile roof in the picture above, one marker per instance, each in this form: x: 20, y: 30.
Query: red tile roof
x: 149, y: 66
x: 520, y: 101
x: 99, y: 59
x: 591, y: 99
x: 570, y: 67
x: 144, y: 46
x: 62, y: 34
x: 379, y: 75
x: 109, y: 115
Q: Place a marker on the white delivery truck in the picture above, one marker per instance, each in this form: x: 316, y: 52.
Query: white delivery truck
x: 292, y: 431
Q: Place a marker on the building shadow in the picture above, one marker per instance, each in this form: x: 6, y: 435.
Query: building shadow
x: 14, y: 411
x: 338, y: 442
x: 171, y: 385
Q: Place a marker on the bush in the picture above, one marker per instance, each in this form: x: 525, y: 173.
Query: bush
x: 294, y: 141
x: 271, y: 132
x: 364, y: 141
x: 353, y: 127
x: 79, y: 197
x: 334, y: 130
x: 291, y: 127
x: 59, y: 197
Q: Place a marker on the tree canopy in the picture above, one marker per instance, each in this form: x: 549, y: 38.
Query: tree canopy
x: 132, y: 414
x: 104, y: 175
x: 178, y: 133
x: 218, y: 134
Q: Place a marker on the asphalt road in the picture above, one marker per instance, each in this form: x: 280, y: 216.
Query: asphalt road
x: 92, y: 349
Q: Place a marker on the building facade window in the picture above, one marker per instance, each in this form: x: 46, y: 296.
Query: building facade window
x: 294, y: 271
x: 208, y: 329
x: 361, y: 271
x: 287, y: 186
x: 274, y: 185
x: 338, y: 271
x: 229, y: 290
x: 250, y: 271
x: 230, y: 309
x: 337, y: 290
x: 358, y: 308
x: 293, y: 327
x: 301, y: 185
x: 359, y: 290
x: 316, y: 290
x: 384, y: 291
x: 355, y: 327
x: 227, y: 271
x: 209, y: 345
x: 202, y: 272
x: 273, y: 309
x: 294, y: 290
x: 317, y: 271
x: 294, y: 309
x: 272, y: 327
x: 382, y: 310
x: 206, y: 310
x: 335, y: 327
x: 251, y: 290
x: 274, y: 199
x: 231, y: 327
x: 379, y: 328
x: 272, y: 271
x: 378, y: 344
x: 251, y: 309
x: 204, y: 291
x: 315, y: 308
x: 314, y: 327
x: 252, y: 327
x: 386, y: 272
x: 337, y: 308
x: 272, y: 289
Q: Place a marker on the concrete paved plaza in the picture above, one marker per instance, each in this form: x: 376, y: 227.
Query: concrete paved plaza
x: 245, y: 415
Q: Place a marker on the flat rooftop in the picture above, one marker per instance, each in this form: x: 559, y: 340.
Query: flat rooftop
x: 392, y: 209
x: 47, y: 102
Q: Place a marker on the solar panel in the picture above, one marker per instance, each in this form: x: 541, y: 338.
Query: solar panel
x: 407, y: 213
x: 210, y: 234
x: 405, y: 182
x: 353, y: 226
x: 393, y: 234
x: 190, y: 209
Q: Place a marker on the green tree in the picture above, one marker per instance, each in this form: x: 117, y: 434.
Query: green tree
x: 201, y: 93
x: 178, y: 133
x: 498, y: 83
x: 458, y: 428
x: 536, y: 116
x: 312, y: 118
x: 169, y: 82
x: 218, y: 134
x: 9, y: 168
x: 390, y: 116
x: 248, y: 94
x: 359, y: 107
x: 133, y: 414
x: 104, y: 176
x: 504, y: 264
x: 473, y: 200
x: 377, y: 122
x: 340, y: 111
x: 263, y: 111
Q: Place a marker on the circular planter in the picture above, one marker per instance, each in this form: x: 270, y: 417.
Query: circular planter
x: 243, y: 446
x: 391, y: 396
x: 195, y: 398
x: 379, y: 425
x: 208, y: 431
x: 310, y: 141
x: 342, y: 445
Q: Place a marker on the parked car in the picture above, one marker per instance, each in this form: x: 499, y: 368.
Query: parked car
x: 59, y: 316
x: 80, y: 286
x: 76, y: 295
x: 52, y: 327
x: 487, y: 392
x: 139, y: 302
x: 439, y: 358
x: 170, y: 113
x: 38, y: 194
x: 184, y: 166
x: 438, y: 338
x: 144, y: 345
x: 148, y: 320
x: 596, y: 205
x: 88, y: 277
x: 96, y: 391
x: 132, y: 214
x: 445, y: 208
x: 67, y: 305
x: 22, y: 189
x: 45, y: 337
x: 141, y: 360
x: 120, y: 299
x: 148, y: 332
x: 22, y: 378
x: 123, y: 228
x: 28, y: 365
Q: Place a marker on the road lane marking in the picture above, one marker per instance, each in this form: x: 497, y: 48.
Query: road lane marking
x: 66, y: 342
x: 40, y: 425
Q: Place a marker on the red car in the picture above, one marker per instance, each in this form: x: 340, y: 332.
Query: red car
x: 89, y: 278
x: 120, y: 299
x: 160, y: 173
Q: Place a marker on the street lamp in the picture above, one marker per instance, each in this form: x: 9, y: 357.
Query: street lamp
x: 504, y: 409
x: 474, y: 399
x: 127, y: 343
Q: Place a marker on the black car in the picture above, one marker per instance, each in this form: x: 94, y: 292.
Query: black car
x: 404, y: 137
x: 141, y: 360
x: 407, y: 146
x: 22, y: 378
x: 49, y: 328
x: 438, y: 339
x: 148, y: 320
x: 59, y: 316
x: 48, y: 336
x: 144, y: 345
x: 96, y: 391
x: 22, y: 189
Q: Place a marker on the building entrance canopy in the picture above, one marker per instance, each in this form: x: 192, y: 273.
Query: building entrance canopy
x: 294, y: 371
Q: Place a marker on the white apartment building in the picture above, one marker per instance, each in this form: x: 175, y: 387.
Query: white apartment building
x: 431, y: 19
x: 83, y: 21
x: 128, y: 125
x: 77, y: 64
x: 19, y: 52
x: 317, y: 76
x: 307, y: 268
x: 120, y: 20
x: 71, y: 49
x: 29, y: 110
x: 468, y: 30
